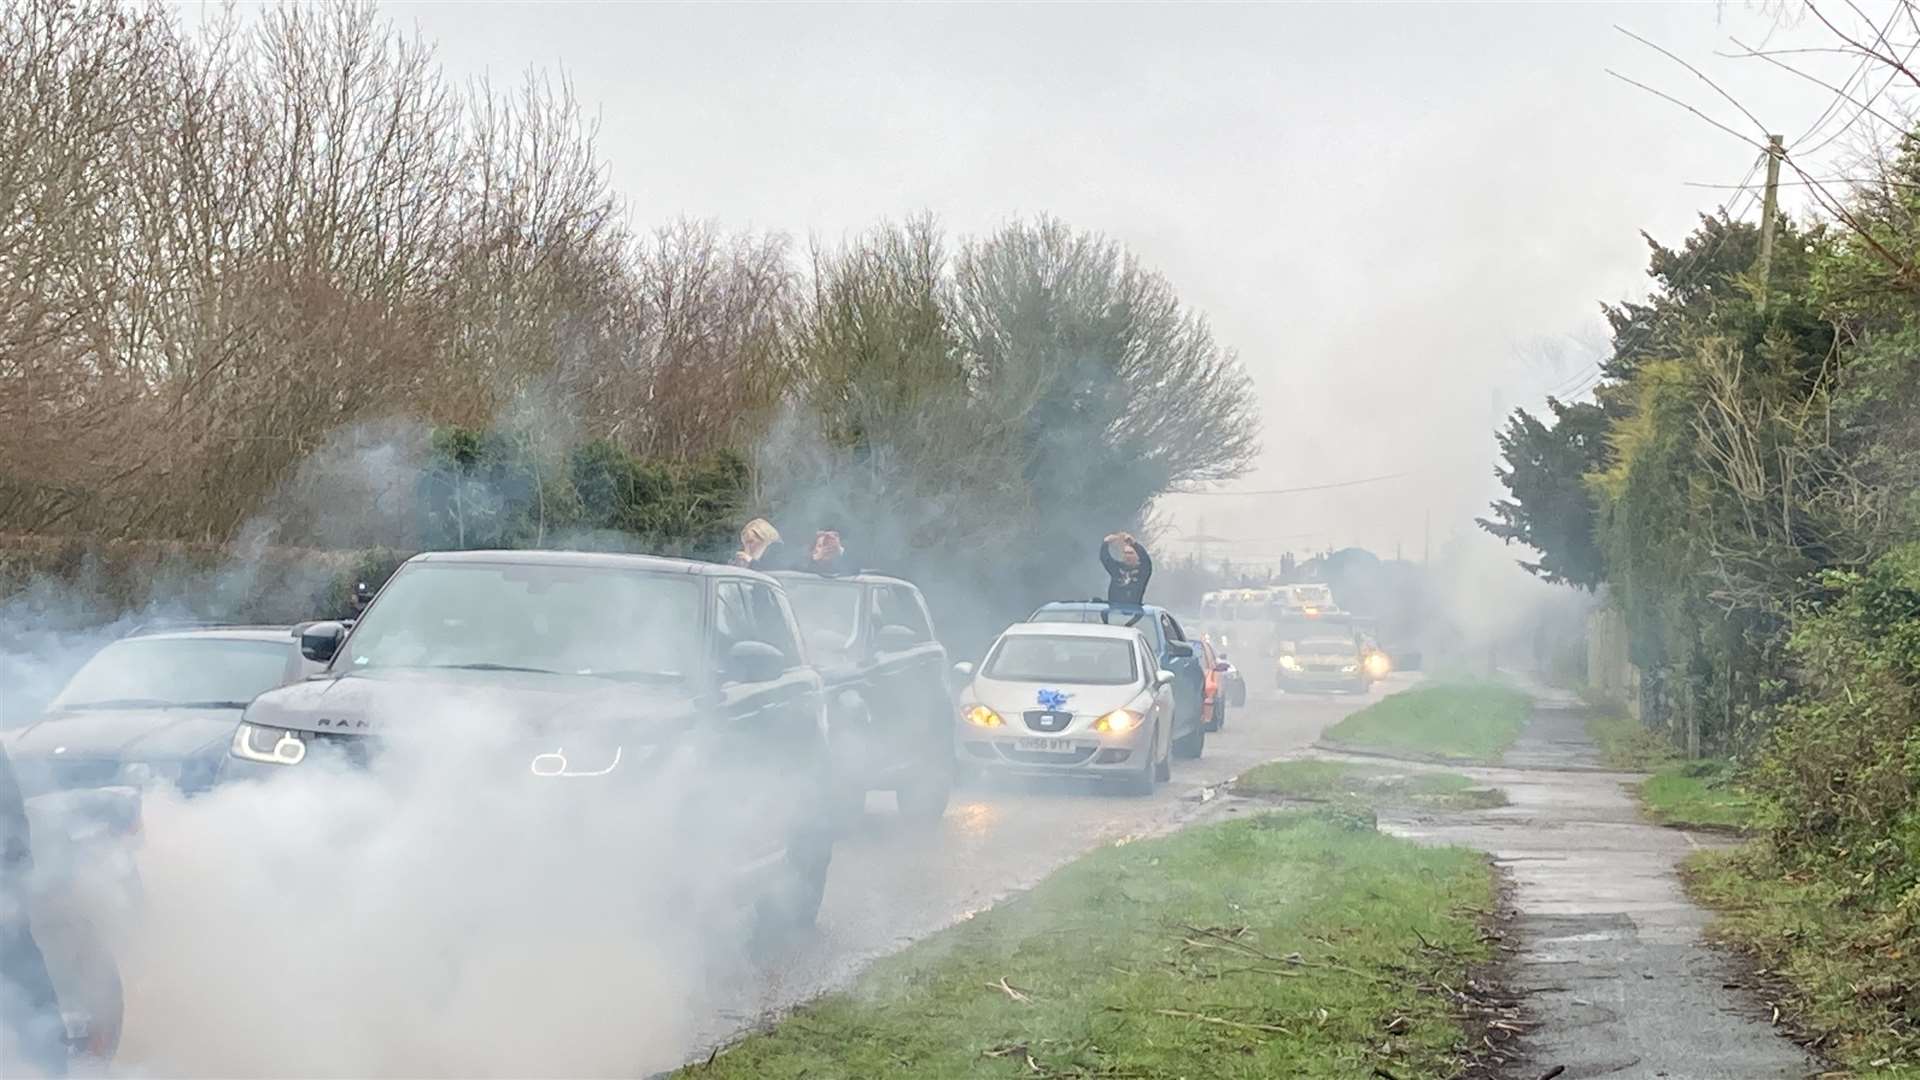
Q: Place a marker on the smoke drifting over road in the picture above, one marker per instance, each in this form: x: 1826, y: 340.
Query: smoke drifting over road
x: 434, y: 915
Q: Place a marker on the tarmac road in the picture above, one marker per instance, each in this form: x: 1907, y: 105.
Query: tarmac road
x: 892, y: 883
x: 605, y: 1007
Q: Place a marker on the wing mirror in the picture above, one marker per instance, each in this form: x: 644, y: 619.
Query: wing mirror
x: 963, y: 669
x: 1179, y: 650
x: 1163, y: 677
x: 754, y: 661
x: 1222, y: 667
x: 320, y: 641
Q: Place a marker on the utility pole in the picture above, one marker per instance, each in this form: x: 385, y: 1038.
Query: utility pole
x: 1769, y: 210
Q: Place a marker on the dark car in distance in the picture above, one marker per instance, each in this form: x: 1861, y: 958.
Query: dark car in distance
x: 890, y: 709
x: 1172, y: 648
x: 158, y: 705
x: 632, y: 673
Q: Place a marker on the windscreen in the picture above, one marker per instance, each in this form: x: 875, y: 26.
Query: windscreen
x: 1326, y: 645
x: 176, y: 672
x: 1313, y: 595
x: 1099, y: 616
x: 829, y: 614
x: 1046, y: 658
x: 578, y: 620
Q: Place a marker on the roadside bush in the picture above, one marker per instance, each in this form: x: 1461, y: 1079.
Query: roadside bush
x: 507, y: 489
x: 1841, y: 771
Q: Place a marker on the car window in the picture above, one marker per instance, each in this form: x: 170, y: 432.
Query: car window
x: 773, y: 622
x: 1171, y: 629
x: 1147, y: 626
x: 177, y: 671
x: 732, y: 618
x: 829, y: 615
x: 898, y: 606
x: 1328, y: 645
x: 602, y: 621
x: 1088, y: 661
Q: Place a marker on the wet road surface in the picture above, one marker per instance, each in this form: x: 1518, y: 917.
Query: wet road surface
x: 202, y: 1002
x: 892, y: 883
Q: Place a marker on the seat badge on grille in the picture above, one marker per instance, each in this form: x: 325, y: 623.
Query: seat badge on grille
x: 555, y: 764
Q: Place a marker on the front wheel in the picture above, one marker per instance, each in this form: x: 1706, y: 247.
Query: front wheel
x: 925, y: 797
x: 1141, y: 781
x: 793, y: 902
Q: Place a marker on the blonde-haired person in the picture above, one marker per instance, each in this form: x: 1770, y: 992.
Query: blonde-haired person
x: 760, y: 546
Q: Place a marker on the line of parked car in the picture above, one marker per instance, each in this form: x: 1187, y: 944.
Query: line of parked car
x: 785, y: 694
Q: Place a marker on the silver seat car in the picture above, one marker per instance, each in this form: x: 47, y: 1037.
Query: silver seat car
x: 1076, y: 699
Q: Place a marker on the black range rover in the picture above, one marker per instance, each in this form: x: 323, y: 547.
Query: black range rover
x: 573, y: 667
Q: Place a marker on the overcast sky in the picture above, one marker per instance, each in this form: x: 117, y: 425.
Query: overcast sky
x: 1397, y: 214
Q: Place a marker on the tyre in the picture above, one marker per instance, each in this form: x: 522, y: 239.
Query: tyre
x: 925, y: 798
x: 847, y: 725
x: 1219, y: 714
x: 1140, y: 782
x: 1239, y: 695
x: 847, y: 806
x: 1192, y: 744
x: 793, y: 902
x: 1163, y: 770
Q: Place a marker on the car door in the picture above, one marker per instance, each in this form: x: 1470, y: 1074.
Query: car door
x: 791, y: 735
x: 909, y: 669
x: 1189, y: 686
x: 1162, y: 696
x: 766, y: 730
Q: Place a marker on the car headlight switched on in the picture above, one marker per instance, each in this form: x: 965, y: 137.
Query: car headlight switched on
x: 1378, y: 665
x: 1118, y: 722
x: 981, y: 716
x: 1287, y: 661
x: 268, y: 745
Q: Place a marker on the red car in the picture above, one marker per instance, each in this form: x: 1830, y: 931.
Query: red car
x: 1213, y: 707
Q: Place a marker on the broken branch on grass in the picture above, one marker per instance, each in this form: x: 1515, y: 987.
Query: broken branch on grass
x: 1181, y: 1014
x: 1011, y: 991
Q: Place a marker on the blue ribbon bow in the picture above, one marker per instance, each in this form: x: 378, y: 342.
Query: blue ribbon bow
x: 1052, y: 700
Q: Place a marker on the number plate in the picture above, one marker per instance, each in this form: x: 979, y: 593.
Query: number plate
x: 1047, y: 746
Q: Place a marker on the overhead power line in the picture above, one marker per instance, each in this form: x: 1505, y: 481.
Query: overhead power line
x: 1306, y: 487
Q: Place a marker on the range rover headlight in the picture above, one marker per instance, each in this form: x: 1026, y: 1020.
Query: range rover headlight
x: 268, y: 745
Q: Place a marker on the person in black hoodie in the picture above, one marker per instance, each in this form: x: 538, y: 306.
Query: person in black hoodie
x: 829, y: 556
x: 1128, y: 568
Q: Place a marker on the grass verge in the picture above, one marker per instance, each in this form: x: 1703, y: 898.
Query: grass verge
x: 1850, y: 964
x: 1698, y: 795
x: 1628, y: 745
x: 1463, y: 721
x: 1336, y: 781
x: 1284, y: 944
x: 1692, y: 794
